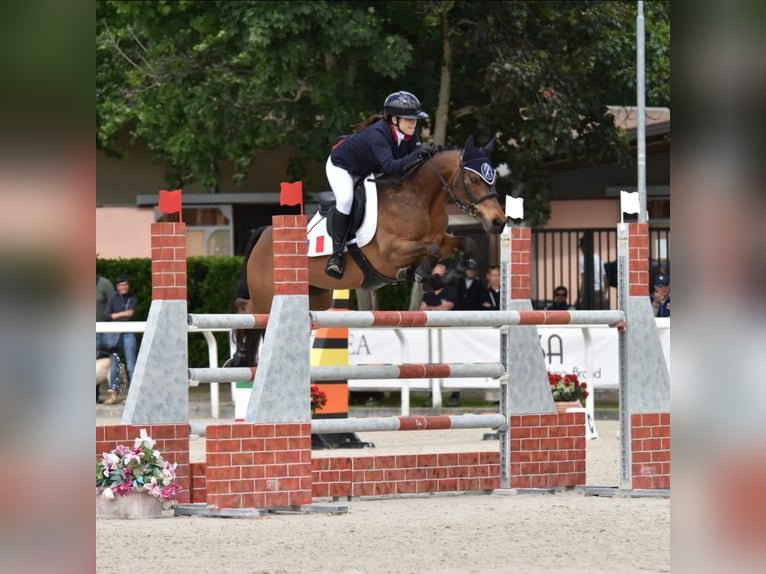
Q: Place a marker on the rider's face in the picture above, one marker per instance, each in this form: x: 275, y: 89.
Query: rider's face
x: 406, y: 125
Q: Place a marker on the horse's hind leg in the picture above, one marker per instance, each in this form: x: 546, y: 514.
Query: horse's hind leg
x: 247, y: 347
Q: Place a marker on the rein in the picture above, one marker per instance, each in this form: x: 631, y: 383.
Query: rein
x: 471, y: 208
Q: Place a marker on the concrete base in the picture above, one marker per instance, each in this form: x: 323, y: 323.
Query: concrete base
x: 616, y: 492
x: 204, y: 510
x: 134, y: 505
x: 517, y: 491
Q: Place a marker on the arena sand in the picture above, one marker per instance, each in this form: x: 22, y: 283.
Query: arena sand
x: 460, y: 533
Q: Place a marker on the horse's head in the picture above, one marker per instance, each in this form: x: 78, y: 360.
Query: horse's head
x: 476, y: 194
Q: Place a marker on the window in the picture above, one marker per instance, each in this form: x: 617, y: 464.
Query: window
x: 208, y: 230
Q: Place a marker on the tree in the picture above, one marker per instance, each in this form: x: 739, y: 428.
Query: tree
x: 540, y: 75
x: 208, y: 83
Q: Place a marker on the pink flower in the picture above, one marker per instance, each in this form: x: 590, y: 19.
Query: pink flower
x: 170, y: 492
x: 123, y: 489
x: 153, y: 488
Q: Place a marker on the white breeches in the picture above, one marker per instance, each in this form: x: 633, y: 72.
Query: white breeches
x: 342, y: 184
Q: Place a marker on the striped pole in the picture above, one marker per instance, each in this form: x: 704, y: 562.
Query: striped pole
x: 332, y: 374
x: 227, y: 321
x: 412, y: 423
x: 367, y: 319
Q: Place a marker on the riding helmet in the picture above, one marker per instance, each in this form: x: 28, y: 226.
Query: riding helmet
x: 403, y: 105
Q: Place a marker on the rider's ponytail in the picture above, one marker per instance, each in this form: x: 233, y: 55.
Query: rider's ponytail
x: 368, y: 122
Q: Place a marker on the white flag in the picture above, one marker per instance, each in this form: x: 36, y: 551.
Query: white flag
x: 514, y: 207
x: 629, y: 202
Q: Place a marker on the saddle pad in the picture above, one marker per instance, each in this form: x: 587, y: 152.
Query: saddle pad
x: 320, y: 242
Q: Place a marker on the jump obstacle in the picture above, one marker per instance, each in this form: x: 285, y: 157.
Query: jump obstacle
x: 276, y: 433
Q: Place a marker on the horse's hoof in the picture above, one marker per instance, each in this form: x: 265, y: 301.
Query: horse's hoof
x: 405, y: 274
x: 236, y: 360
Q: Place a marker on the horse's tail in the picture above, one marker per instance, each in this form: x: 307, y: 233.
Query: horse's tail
x: 246, y: 339
x: 255, y: 234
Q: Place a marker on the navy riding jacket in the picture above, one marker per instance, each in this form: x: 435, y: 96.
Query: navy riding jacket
x: 375, y: 150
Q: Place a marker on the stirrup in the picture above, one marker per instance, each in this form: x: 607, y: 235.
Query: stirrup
x: 405, y: 274
x: 423, y: 272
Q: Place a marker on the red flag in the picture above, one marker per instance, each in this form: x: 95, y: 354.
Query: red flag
x: 291, y: 194
x: 170, y: 201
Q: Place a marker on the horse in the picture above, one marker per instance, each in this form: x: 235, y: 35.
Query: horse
x: 411, y: 235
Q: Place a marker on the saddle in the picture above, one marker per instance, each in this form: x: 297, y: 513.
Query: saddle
x: 327, y: 203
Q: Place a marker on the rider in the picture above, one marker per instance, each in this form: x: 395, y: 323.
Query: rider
x: 384, y: 144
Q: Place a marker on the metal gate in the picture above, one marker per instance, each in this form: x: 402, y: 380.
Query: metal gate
x: 558, y: 260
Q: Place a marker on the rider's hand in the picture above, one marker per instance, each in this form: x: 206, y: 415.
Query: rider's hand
x: 427, y: 148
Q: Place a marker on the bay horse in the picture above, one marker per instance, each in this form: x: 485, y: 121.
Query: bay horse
x: 411, y: 232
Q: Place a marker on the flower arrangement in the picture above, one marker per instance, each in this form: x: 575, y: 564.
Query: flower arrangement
x: 567, y: 387
x: 140, y: 468
x: 318, y: 399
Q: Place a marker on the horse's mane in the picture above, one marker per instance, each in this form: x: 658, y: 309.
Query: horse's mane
x: 411, y: 170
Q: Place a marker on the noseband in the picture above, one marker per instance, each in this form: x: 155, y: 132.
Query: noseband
x: 472, y: 207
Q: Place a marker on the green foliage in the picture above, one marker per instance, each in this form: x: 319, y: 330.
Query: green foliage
x: 211, y: 286
x: 395, y: 297
x: 205, y: 85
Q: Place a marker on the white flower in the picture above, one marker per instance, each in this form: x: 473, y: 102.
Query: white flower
x: 108, y: 494
x: 145, y: 439
x: 153, y: 488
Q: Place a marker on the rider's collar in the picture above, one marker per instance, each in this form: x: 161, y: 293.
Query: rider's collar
x: 399, y: 136
x: 476, y: 161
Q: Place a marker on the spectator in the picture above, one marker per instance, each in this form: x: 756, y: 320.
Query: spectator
x: 121, y: 307
x: 490, y: 296
x: 661, y: 297
x: 442, y: 298
x: 469, y: 288
x: 600, y: 294
x: 104, y: 292
x: 560, y: 300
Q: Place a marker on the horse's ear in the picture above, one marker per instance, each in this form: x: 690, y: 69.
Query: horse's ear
x: 490, y: 146
x: 469, y: 142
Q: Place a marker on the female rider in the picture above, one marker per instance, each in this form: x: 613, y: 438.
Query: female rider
x: 384, y: 144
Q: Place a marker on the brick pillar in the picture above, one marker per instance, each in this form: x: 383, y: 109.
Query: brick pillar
x: 258, y: 465
x: 548, y: 451
x: 521, y: 263
x: 168, y: 260
x: 159, y: 389
x: 650, y: 448
x: 638, y: 256
x: 291, y: 264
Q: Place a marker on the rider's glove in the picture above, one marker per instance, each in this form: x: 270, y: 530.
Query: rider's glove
x: 427, y: 149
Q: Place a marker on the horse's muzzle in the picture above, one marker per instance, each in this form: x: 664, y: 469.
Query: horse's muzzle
x: 498, y: 225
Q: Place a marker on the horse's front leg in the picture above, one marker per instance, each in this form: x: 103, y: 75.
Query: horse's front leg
x: 408, y: 253
x: 453, y: 244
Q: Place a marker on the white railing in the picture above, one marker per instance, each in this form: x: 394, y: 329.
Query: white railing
x: 212, y: 351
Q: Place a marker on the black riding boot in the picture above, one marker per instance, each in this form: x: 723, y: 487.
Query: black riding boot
x: 340, y: 225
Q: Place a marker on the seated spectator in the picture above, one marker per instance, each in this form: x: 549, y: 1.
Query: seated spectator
x: 443, y: 297
x: 560, y: 300
x: 661, y: 297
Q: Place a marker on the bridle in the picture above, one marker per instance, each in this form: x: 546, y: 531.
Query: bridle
x: 472, y: 207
